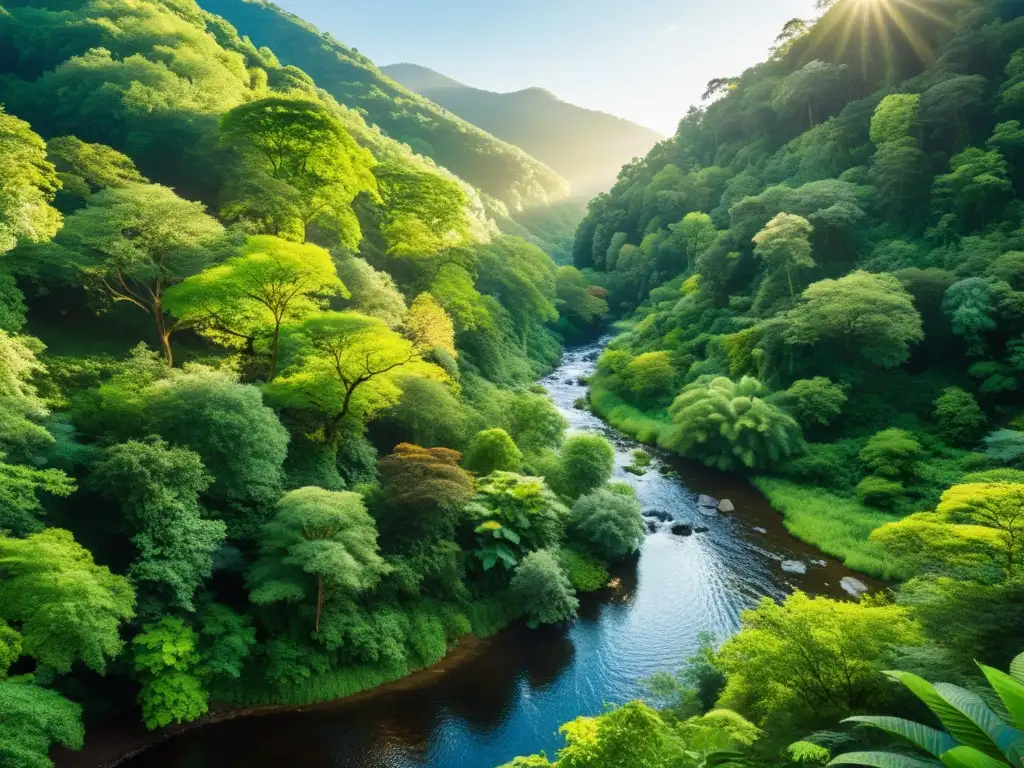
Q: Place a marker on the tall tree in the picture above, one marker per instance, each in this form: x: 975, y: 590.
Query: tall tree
x: 785, y: 244
x: 270, y: 282
x: 343, y: 363
x: 303, y: 168
x: 66, y: 607
x: 134, y: 242
x: 28, y: 182
x: 320, y: 544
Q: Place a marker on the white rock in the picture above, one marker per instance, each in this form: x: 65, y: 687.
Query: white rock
x: 726, y: 506
x: 794, y: 566
x: 760, y: 530
x: 854, y: 587
x: 706, y: 501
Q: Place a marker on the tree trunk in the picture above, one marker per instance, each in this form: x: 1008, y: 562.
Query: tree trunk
x: 164, y: 333
x: 319, y: 601
x: 273, y: 350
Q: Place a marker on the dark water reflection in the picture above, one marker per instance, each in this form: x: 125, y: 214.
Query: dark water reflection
x: 508, y: 695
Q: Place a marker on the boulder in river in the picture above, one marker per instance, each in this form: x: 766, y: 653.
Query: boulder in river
x: 657, y: 514
x: 701, y: 529
x: 652, y: 526
x: 726, y: 506
x: 682, y: 529
x: 794, y: 566
x: 853, y: 587
x: 819, y: 563
x: 706, y: 501
x: 759, y: 529
x: 709, y: 511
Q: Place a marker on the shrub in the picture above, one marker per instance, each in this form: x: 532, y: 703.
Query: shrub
x: 891, y: 453
x: 586, y: 573
x: 727, y: 425
x: 610, y: 524
x: 542, y: 591
x: 1006, y: 446
x: 492, y: 450
x: 586, y: 463
x: 960, y: 418
x: 815, y: 401
x: 879, y: 491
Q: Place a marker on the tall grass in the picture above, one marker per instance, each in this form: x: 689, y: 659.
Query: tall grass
x: 837, y: 525
x: 645, y: 426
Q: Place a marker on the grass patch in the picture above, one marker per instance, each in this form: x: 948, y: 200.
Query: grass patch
x: 587, y: 573
x: 645, y: 426
x: 837, y: 525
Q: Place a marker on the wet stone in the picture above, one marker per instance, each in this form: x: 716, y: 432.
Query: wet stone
x: 794, y: 566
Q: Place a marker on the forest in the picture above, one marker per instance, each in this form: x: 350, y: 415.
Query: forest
x: 821, y: 277
x: 268, y: 430
x: 270, y: 327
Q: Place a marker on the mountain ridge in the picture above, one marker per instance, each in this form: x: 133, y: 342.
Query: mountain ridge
x: 586, y: 146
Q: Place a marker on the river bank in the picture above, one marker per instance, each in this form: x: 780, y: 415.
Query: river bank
x: 489, y: 700
x: 810, y: 514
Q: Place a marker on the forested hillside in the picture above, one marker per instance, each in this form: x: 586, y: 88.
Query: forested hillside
x: 585, y: 146
x: 498, y: 169
x: 822, y: 280
x: 244, y: 340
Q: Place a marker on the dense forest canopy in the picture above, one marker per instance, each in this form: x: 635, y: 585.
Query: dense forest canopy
x: 821, y: 280
x: 245, y: 337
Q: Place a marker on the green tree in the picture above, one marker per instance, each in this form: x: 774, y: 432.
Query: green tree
x: 28, y: 182
x: 727, y: 424
x: 424, y: 489
x: 65, y: 607
x: 610, y: 524
x: 158, y: 489
x: 970, y: 306
x: 134, y: 242
x: 541, y: 589
x: 491, y: 450
x: 976, y: 186
x: 165, y: 656
x: 814, y: 402
x: 270, y: 282
x: 976, y: 527
x: 85, y: 168
x: 342, y: 363
x: 975, y: 734
x: 239, y: 439
x: 533, y: 422
x: 894, y: 118
x: 650, y: 375
x: 1005, y: 446
x: 301, y: 168
x: 785, y: 245
x: 961, y: 420
x: 585, y: 463
x: 512, y: 515
x: 867, y: 316
x: 22, y: 435
x: 374, y: 293
x: 428, y: 326
x: 698, y: 233
x: 811, y: 659
x: 423, y: 212
x: 891, y: 453
x: 31, y: 719
x: 320, y: 545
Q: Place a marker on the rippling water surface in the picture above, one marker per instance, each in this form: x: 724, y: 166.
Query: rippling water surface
x: 508, y: 695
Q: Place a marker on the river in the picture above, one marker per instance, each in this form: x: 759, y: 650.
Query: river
x: 507, y: 696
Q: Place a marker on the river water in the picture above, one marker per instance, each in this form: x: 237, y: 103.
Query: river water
x: 507, y: 696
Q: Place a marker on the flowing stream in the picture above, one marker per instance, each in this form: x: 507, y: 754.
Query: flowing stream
x: 498, y: 698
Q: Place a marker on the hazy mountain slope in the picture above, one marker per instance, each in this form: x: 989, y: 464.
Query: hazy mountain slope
x: 495, y: 167
x: 585, y: 146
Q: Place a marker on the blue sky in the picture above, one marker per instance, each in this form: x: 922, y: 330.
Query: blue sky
x: 645, y: 60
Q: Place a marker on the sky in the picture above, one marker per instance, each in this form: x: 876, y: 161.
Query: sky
x: 644, y: 60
